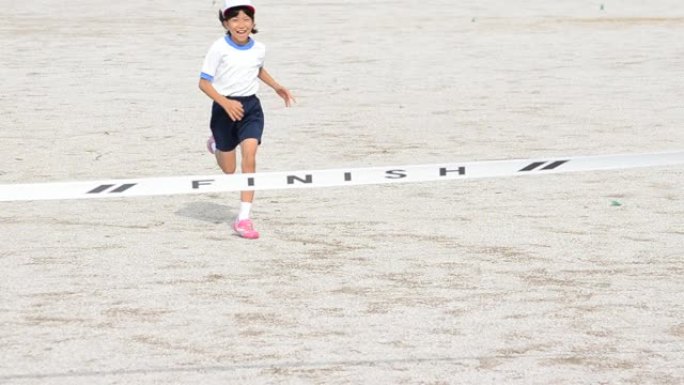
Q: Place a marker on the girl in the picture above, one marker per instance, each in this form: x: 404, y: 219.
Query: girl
x: 230, y: 77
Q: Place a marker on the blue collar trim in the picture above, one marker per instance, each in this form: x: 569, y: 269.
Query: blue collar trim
x: 250, y: 43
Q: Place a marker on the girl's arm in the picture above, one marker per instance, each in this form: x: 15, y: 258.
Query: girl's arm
x: 233, y: 107
x: 280, y: 90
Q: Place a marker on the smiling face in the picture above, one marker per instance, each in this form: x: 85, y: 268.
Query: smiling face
x: 239, y: 27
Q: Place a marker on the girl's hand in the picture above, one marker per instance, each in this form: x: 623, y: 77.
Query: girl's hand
x: 286, y: 95
x: 234, y: 109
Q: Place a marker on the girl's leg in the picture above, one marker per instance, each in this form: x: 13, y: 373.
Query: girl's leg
x: 226, y: 160
x: 248, y: 149
x: 243, y: 225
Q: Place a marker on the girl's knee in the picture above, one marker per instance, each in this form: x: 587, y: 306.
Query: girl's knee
x: 226, y: 162
x: 227, y: 167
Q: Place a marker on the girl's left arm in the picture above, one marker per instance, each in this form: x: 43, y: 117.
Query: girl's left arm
x: 280, y: 90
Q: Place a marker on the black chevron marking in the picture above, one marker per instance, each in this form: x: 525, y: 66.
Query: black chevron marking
x: 123, y: 187
x: 531, y: 166
x: 105, y: 187
x: 555, y: 164
x: 100, y: 188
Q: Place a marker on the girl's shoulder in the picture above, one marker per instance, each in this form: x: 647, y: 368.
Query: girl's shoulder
x: 259, y: 45
x: 217, y: 44
x: 219, y: 41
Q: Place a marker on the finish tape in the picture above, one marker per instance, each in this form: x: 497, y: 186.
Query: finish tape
x: 124, y: 188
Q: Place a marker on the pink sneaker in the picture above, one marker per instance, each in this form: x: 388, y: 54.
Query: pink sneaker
x: 245, y: 228
x: 211, y: 144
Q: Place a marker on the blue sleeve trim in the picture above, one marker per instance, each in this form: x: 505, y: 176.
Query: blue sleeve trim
x: 206, y: 76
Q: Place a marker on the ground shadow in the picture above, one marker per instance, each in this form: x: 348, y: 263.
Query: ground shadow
x: 207, y: 212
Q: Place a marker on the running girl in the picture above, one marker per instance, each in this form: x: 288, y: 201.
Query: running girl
x: 230, y: 77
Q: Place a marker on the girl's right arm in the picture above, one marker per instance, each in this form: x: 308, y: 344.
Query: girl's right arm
x: 232, y: 107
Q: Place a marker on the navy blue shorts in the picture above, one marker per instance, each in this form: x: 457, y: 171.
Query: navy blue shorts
x: 229, y: 134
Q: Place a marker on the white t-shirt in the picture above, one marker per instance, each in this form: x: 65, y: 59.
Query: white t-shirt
x: 234, y: 69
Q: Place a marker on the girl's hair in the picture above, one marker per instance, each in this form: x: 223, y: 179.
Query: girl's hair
x: 232, y: 12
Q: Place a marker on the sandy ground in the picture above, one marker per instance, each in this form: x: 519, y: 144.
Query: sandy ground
x: 530, y: 280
